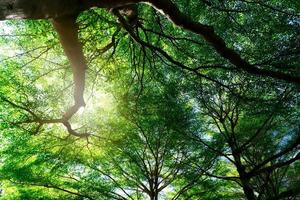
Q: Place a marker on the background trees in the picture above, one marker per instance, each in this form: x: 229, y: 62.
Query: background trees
x: 169, y: 114
x: 255, y: 141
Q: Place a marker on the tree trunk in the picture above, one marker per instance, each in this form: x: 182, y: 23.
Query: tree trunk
x: 248, y: 191
x: 45, y: 9
x: 154, y: 196
x: 245, y: 180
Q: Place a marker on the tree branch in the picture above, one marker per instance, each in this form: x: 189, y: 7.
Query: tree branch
x: 171, y: 11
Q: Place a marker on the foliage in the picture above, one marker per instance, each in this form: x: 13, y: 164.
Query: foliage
x: 166, y: 116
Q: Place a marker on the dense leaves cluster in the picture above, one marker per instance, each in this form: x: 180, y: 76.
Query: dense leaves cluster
x: 166, y: 116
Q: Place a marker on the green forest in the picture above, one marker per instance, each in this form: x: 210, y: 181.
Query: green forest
x: 150, y: 100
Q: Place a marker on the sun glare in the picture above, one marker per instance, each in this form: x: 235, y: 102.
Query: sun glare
x: 81, y: 110
x: 98, y: 102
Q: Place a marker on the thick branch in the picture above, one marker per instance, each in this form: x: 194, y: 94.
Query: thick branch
x: 279, y: 154
x: 46, y: 9
x: 177, y: 17
x: 36, y: 119
x: 36, y: 9
x: 67, y: 30
x: 274, y: 167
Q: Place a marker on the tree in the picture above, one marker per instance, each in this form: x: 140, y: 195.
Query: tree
x: 179, y: 104
x: 65, y: 23
x: 259, y: 141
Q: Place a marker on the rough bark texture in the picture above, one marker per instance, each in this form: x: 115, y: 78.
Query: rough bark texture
x: 45, y: 9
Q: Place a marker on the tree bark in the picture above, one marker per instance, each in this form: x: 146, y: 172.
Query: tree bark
x: 67, y: 30
x: 169, y: 9
x: 46, y: 9
x: 244, y: 178
x: 248, y: 191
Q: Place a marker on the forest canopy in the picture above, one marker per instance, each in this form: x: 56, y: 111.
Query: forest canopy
x: 159, y: 100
